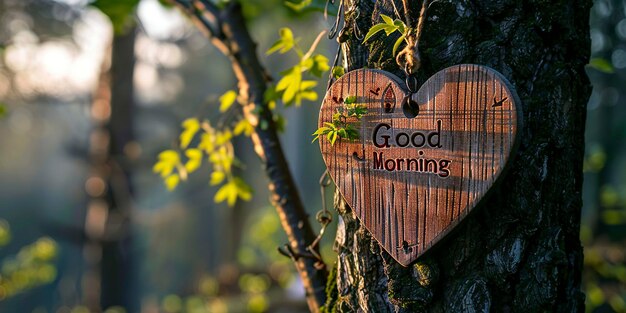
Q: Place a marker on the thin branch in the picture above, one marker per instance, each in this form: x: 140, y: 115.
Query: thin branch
x: 314, y: 45
x: 235, y: 42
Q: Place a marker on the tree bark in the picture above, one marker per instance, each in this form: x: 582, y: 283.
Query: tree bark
x: 520, y: 251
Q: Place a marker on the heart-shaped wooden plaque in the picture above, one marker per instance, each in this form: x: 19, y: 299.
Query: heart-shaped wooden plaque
x: 411, y: 180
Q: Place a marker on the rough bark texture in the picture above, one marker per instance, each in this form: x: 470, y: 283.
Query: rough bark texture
x: 520, y: 252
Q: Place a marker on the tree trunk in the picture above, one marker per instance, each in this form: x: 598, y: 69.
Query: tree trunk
x: 109, y: 278
x: 520, y: 251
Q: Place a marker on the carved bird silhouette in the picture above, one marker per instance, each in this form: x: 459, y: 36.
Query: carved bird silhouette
x: 498, y: 103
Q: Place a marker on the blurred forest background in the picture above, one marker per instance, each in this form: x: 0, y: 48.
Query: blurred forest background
x: 72, y: 228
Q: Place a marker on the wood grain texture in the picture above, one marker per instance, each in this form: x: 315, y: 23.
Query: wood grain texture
x: 411, y: 180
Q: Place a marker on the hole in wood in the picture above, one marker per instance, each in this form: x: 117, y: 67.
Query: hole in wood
x: 410, y: 107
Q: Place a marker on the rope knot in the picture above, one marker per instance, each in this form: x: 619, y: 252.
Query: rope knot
x: 409, y: 58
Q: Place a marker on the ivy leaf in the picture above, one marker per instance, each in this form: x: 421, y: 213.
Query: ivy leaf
x: 171, y: 182
x: 191, y: 126
x: 195, y: 159
x: 227, y: 100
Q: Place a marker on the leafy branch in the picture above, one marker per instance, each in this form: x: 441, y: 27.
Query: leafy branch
x: 292, y: 88
x: 217, y: 147
x: 390, y: 26
x: 226, y: 28
x: 340, y: 127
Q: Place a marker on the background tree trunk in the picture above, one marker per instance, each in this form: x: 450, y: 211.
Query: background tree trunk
x: 521, y: 250
x: 110, y: 275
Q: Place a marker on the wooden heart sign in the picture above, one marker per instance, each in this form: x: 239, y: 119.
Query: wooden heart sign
x: 411, y: 180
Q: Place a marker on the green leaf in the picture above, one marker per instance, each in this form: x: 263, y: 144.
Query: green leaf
x: 195, y: 159
x: 171, y: 182
x: 280, y: 122
x: 120, y: 12
x: 191, y: 126
x: 308, y: 95
x: 217, y: 178
x: 290, y: 85
x: 306, y: 6
x: 338, y: 71
x: 243, y: 127
x: 207, y: 143
x: 374, y: 30
x: 228, y: 192
x: 227, y: 100
x: 285, y: 43
x: 602, y: 65
x: 223, y: 137
x: 320, y: 65
x: 397, y: 44
x: 400, y: 26
x: 330, y: 125
x: 298, y: 7
x: 321, y: 131
x: 5, y: 233
x: 168, y: 160
x: 244, y: 191
x: 349, y: 100
x: 388, y: 20
x: 333, y: 138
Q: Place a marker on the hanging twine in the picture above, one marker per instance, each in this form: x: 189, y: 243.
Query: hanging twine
x: 409, y: 58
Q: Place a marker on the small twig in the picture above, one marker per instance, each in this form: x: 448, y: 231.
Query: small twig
x: 314, y: 45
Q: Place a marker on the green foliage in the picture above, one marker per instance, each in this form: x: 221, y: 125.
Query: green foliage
x: 338, y: 71
x: 120, y: 12
x: 32, y: 266
x: 227, y: 100
x: 3, y: 110
x: 305, y: 6
x: 5, y: 233
x: 214, y: 145
x: 601, y: 65
x: 390, y: 26
x: 293, y: 87
x: 343, y: 123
